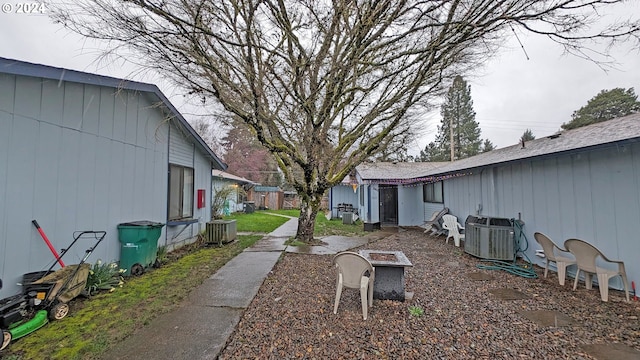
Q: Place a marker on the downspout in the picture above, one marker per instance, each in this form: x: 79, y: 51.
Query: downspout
x: 369, y: 203
x: 331, y: 201
x: 166, y: 228
x: 479, y: 205
x: 193, y: 194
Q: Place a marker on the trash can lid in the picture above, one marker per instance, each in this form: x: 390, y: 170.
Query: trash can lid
x: 141, y: 223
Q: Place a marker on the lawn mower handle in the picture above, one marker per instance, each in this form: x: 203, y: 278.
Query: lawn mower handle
x: 46, y: 240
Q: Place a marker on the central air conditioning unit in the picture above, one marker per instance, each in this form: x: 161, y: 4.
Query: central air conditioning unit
x: 221, y: 231
x: 348, y: 218
x: 489, y: 238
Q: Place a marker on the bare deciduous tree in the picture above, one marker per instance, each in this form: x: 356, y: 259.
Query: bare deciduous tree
x: 326, y: 84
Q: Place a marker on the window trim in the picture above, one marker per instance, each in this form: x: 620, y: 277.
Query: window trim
x: 429, y: 192
x: 180, y: 192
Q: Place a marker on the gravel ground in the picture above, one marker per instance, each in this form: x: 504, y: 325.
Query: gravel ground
x: 292, y: 315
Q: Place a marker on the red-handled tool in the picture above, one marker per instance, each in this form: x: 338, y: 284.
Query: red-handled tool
x: 46, y: 240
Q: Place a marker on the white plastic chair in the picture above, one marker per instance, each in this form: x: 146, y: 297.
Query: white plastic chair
x: 549, y: 248
x: 586, y: 255
x: 453, y: 226
x: 355, y: 272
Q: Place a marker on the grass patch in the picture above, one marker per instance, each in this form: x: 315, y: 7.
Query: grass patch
x: 93, y: 325
x: 326, y: 227
x: 292, y: 212
x: 258, y: 221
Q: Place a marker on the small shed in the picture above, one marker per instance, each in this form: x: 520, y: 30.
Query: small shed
x: 291, y: 200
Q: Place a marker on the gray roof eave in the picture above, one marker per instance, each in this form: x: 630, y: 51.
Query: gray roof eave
x: 606, y: 134
x: 446, y: 172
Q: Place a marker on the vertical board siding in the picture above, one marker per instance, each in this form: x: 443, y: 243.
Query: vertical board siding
x: 72, y: 105
x: 582, y: 196
x: 180, y: 150
x: 374, y: 208
x: 119, y: 116
x: 589, y: 195
x: 65, y: 211
x: 410, y: 211
x: 106, y: 114
x: 7, y: 95
x: 551, y: 193
x: 100, y: 195
x: 19, y: 196
x: 429, y: 209
x: 28, y: 97
x: 604, y: 207
x: 6, y: 129
x: 52, y: 102
x: 131, y: 118
x: 566, y: 196
x: 75, y: 158
x: 625, y: 203
x: 343, y: 194
x: 85, y: 172
x: 91, y: 109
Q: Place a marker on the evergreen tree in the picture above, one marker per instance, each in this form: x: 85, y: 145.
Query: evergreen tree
x: 457, y: 113
x: 607, y: 105
x: 527, y: 136
x: 487, y: 146
x: 428, y: 153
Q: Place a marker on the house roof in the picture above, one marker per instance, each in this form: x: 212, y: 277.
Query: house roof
x: 266, y: 189
x: 23, y: 68
x: 228, y: 176
x: 395, y: 170
x: 603, y: 134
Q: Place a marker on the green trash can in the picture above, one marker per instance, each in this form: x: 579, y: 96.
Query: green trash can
x: 138, y: 245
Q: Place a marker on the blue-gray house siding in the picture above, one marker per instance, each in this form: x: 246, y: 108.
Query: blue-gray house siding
x: 85, y: 152
x: 582, y: 183
x: 591, y: 195
x: 343, y: 194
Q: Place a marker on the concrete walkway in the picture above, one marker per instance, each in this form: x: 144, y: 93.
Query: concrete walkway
x: 201, y: 326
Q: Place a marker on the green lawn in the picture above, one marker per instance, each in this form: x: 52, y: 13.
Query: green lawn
x: 262, y: 220
x: 95, y: 324
x: 257, y: 221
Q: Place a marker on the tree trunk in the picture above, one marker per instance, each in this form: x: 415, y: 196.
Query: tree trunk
x: 307, y: 220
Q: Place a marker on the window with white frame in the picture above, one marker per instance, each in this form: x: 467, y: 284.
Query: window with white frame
x: 180, y: 192
x: 433, y: 193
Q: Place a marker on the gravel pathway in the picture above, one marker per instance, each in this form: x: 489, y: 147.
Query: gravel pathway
x: 292, y: 315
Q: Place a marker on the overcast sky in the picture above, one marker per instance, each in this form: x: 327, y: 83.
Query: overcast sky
x: 511, y: 94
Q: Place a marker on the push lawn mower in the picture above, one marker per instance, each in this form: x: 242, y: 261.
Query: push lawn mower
x: 45, y: 294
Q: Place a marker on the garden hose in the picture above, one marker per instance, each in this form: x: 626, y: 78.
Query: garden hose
x: 524, y: 269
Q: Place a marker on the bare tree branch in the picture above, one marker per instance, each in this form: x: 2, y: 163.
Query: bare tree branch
x: 326, y: 84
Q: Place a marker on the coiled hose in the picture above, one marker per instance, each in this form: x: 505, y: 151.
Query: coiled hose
x: 524, y: 269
